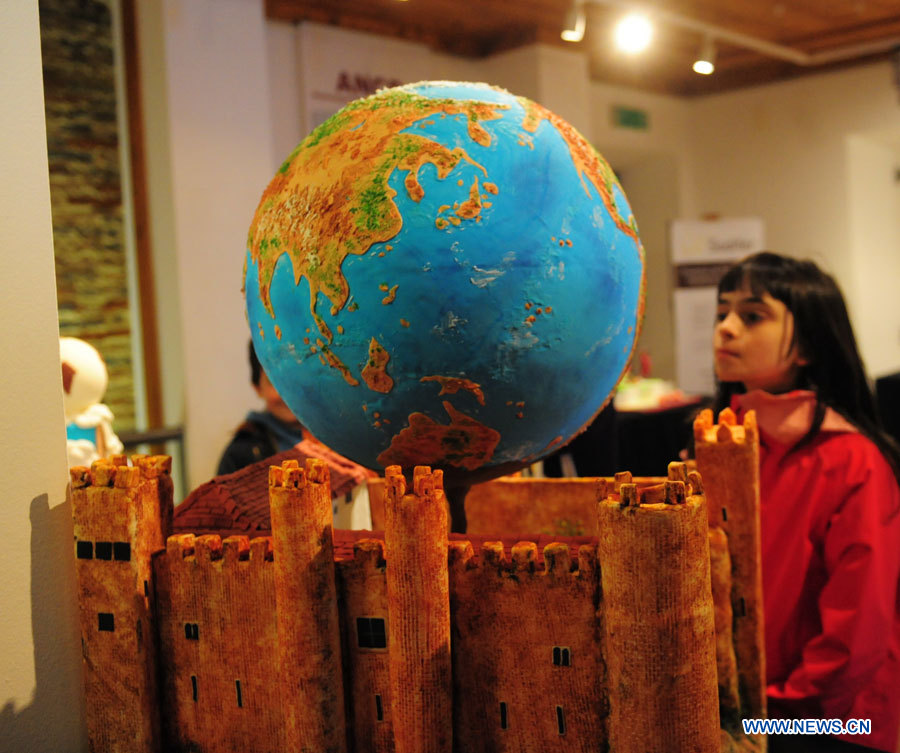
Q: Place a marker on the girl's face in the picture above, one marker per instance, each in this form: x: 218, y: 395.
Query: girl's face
x: 753, y: 342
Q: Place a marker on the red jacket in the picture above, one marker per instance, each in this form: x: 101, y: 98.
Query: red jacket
x: 831, y: 569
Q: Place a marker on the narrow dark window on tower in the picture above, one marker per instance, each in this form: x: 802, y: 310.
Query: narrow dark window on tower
x: 556, y: 656
x: 84, y: 550
x: 237, y: 687
x: 724, y: 515
x: 504, y: 722
x: 370, y: 632
x: 191, y: 631
x: 122, y: 551
x: 106, y: 622
x: 561, y: 656
x: 103, y: 550
x: 379, y: 710
x: 565, y: 657
x: 194, y: 687
x: 560, y: 720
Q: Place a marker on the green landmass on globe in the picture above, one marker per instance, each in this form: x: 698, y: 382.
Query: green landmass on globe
x: 473, y: 279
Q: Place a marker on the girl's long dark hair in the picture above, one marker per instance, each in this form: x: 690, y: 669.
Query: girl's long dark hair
x: 824, y: 335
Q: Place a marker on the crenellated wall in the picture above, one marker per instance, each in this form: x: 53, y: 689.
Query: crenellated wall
x: 727, y: 451
x: 417, y: 643
x: 216, y: 611
x: 511, y: 624
x: 659, y: 634
x: 362, y: 592
x: 308, y: 648
x: 418, y: 594
x: 121, y: 515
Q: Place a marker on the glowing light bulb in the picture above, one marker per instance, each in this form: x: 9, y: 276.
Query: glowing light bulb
x: 633, y: 33
x: 705, y: 62
x: 574, y: 31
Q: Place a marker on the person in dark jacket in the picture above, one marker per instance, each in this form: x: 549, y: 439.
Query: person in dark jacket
x: 263, y: 433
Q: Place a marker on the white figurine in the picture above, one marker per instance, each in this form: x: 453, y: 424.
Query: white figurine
x: 89, y: 431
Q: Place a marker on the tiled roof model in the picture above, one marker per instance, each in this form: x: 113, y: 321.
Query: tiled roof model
x: 238, y: 503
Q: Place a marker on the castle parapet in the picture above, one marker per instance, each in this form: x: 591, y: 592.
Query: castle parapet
x: 658, y: 618
x: 121, y: 515
x: 309, y: 649
x: 513, y: 619
x: 211, y: 548
x: 216, y: 612
x: 363, y: 595
x: 725, y: 451
x: 419, y: 611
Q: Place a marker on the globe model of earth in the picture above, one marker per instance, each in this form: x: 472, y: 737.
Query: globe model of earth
x: 444, y: 274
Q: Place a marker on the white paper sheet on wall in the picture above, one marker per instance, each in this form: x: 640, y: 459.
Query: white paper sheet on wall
x: 701, y: 251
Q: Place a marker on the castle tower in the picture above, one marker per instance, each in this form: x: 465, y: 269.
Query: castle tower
x: 658, y: 619
x: 308, y: 623
x: 418, y: 612
x: 727, y: 451
x: 121, y: 515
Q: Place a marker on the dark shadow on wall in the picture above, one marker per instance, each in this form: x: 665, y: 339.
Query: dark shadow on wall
x: 53, y: 721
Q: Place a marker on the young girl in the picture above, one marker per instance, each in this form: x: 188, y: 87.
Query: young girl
x: 830, y: 503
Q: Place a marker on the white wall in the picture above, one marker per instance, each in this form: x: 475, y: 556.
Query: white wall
x: 780, y: 152
x: 41, y: 707
x: 283, y: 67
x: 323, y: 52
x: 873, y: 197
x: 656, y: 173
x: 651, y: 184
x: 220, y: 158
x: 564, y: 85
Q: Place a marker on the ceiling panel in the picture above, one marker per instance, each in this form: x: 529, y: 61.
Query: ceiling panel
x: 477, y: 28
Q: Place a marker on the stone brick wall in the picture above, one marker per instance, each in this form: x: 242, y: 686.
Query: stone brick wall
x: 85, y: 188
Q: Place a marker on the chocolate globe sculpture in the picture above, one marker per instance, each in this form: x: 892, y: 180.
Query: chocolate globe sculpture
x: 444, y: 274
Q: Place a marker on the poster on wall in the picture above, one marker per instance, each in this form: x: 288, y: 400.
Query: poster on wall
x: 338, y: 66
x: 701, y: 251
x: 328, y: 94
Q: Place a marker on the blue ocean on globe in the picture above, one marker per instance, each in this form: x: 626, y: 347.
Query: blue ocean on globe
x: 444, y: 274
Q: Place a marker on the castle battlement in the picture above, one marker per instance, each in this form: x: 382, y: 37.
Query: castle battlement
x: 368, y: 555
x: 213, y: 548
x: 427, y: 484
x: 121, y: 514
x: 727, y: 430
x: 523, y: 559
x: 636, y: 642
x: 106, y: 473
x: 728, y: 454
x: 103, y: 472
x: 289, y: 475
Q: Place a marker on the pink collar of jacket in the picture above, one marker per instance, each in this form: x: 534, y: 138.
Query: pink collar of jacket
x: 787, y: 417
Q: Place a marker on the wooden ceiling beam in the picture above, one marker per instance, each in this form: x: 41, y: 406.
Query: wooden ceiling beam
x: 472, y: 30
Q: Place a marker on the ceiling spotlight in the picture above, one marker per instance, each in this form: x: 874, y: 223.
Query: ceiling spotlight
x: 574, y: 31
x: 706, y: 60
x: 633, y: 33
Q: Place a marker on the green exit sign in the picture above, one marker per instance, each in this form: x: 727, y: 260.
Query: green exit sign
x: 630, y: 117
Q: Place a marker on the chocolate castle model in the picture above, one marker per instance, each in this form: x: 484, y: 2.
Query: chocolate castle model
x: 648, y: 640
